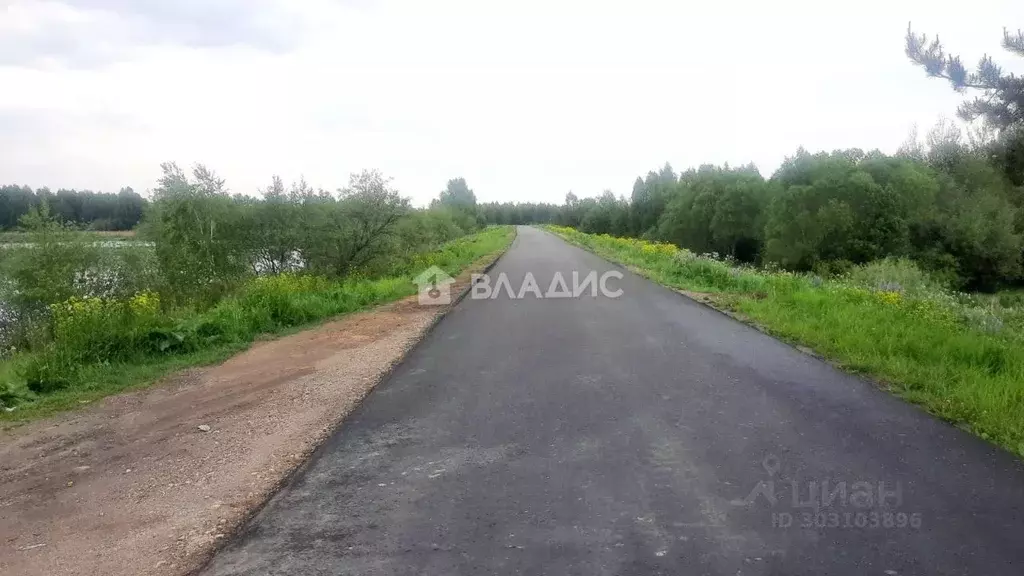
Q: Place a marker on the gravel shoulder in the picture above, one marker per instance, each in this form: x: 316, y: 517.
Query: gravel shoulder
x: 151, y: 482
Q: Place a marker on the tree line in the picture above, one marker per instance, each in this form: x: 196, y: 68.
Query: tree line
x: 208, y: 242
x: 82, y: 208
x: 954, y: 203
x: 948, y: 206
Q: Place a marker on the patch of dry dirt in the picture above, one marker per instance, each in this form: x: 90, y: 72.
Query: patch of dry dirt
x: 705, y: 297
x: 150, y: 482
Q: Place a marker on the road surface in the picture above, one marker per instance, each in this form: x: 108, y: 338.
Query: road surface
x: 644, y: 434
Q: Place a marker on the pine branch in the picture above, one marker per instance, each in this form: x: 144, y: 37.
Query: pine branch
x: 1014, y: 42
x: 932, y: 57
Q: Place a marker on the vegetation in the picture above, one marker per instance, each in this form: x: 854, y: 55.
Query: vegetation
x: 76, y: 316
x: 960, y: 356
x: 84, y: 209
x: 459, y: 201
x: 944, y: 204
x: 1001, y: 103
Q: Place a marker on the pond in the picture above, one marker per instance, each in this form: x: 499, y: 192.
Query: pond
x: 97, y: 244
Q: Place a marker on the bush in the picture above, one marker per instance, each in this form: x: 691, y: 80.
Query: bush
x: 56, y: 265
x: 98, y: 329
x: 894, y: 275
x: 93, y: 330
x: 284, y: 300
x: 8, y: 397
x: 198, y: 245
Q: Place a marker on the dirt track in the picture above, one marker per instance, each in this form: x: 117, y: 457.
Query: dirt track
x: 138, y: 484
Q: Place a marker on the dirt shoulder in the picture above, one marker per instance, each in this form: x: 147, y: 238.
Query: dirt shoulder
x: 150, y: 482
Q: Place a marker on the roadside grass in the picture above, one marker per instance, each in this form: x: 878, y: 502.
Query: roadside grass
x: 96, y: 381
x: 102, y: 347
x: 959, y: 356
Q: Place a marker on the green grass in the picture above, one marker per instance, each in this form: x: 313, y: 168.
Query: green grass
x: 100, y: 380
x: 104, y: 347
x: 961, y: 357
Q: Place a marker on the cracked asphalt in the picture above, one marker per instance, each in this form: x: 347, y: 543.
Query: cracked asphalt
x: 644, y: 434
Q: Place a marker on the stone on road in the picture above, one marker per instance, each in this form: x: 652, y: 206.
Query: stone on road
x: 644, y: 434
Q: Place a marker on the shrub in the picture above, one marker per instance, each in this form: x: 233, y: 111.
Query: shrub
x: 8, y: 397
x: 55, y: 265
x: 283, y: 300
x: 894, y: 275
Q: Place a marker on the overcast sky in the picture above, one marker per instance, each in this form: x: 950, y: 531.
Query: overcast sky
x: 526, y: 100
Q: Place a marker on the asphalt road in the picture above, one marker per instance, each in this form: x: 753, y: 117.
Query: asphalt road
x: 645, y: 434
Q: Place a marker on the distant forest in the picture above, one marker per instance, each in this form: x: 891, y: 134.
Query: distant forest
x: 82, y: 208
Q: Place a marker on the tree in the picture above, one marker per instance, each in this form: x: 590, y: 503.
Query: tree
x: 58, y: 265
x: 200, y: 240
x: 520, y: 213
x: 977, y: 231
x: 460, y: 201
x: 571, y: 212
x: 77, y: 208
x: 832, y: 208
x: 457, y: 195
x: 649, y: 198
x: 275, y: 229
x: 15, y: 202
x: 1001, y: 102
x: 606, y: 215
x: 717, y: 210
x: 130, y: 207
x: 346, y: 234
x: 374, y: 208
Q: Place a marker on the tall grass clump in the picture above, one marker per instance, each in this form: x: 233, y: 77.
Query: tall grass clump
x: 895, y: 275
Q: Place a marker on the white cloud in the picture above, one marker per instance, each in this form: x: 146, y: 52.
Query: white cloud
x: 525, y: 100
x: 89, y: 33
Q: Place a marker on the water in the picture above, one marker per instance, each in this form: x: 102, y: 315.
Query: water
x: 98, y: 244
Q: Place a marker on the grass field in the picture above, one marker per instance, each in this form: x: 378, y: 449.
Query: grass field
x: 959, y: 356
x: 101, y: 347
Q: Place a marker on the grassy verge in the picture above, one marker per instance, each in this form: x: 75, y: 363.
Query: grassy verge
x: 102, y: 347
x: 959, y: 356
